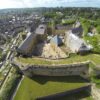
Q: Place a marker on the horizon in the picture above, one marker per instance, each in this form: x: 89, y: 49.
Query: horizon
x: 11, y: 4
x: 48, y: 7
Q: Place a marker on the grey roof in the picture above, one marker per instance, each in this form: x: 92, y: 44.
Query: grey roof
x: 75, y: 40
x: 27, y: 44
x: 57, y: 40
x: 63, y: 27
x: 84, y: 48
x: 75, y: 43
x: 41, y: 29
x: 78, y: 31
x: 60, y: 27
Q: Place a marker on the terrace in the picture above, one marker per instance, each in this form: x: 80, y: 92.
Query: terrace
x: 94, y: 58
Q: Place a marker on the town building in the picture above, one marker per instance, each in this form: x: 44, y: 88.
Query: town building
x: 78, y: 31
x: 27, y: 47
x: 75, y: 43
x: 56, y: 40
x: 41, y: 32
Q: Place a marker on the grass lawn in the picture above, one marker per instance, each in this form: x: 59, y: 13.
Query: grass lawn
x: 1, y: 76
x: 94, y: 41
x: 40, y: 86
x: 72, y: 59
x: 96, y: 80
x: 83, y: 95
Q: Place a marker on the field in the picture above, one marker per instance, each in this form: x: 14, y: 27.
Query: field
x: 40, y: 86
x: 95, y: 58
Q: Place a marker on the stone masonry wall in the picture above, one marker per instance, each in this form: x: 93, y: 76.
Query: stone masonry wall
x: 57, y: 70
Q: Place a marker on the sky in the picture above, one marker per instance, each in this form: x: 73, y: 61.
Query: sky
x: 48, y: 3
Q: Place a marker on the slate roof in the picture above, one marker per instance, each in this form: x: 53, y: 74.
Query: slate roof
x: 75, y: 43
x: 84, y: 48
x: 26, y: 45
x: 60, y: 27
x: 63, y: 27
x: 78, y: 31
x: 56, y: 40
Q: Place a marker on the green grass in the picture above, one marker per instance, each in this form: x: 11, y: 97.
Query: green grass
x: 1, y: 76
x: 69, y: 21
x: 95, y: 58
x: 40, y: 86
x: 96, y: 80
x: 94, y: 41
x: 83, y: 95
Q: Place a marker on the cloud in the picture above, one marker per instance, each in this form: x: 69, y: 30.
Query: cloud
x: 48, y: 3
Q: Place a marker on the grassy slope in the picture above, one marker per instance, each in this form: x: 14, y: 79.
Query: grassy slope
x: 78, y: 96
x: 42, y: 86
x: 9, y: 85
x: 73, y: 59
x: 96, y: 80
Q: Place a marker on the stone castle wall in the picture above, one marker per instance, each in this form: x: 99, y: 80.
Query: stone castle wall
x: 81, y: 69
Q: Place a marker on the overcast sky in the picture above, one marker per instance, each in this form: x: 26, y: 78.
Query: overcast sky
x: 48, y: 3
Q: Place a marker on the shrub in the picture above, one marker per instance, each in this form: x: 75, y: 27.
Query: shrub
x: 10, y: 85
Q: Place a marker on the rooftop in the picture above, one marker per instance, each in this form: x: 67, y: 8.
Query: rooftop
x: 78, y: 31
x: 56, y: 40
x: 41, y: 29
x: 26, y: 44
x: 43, y: 86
